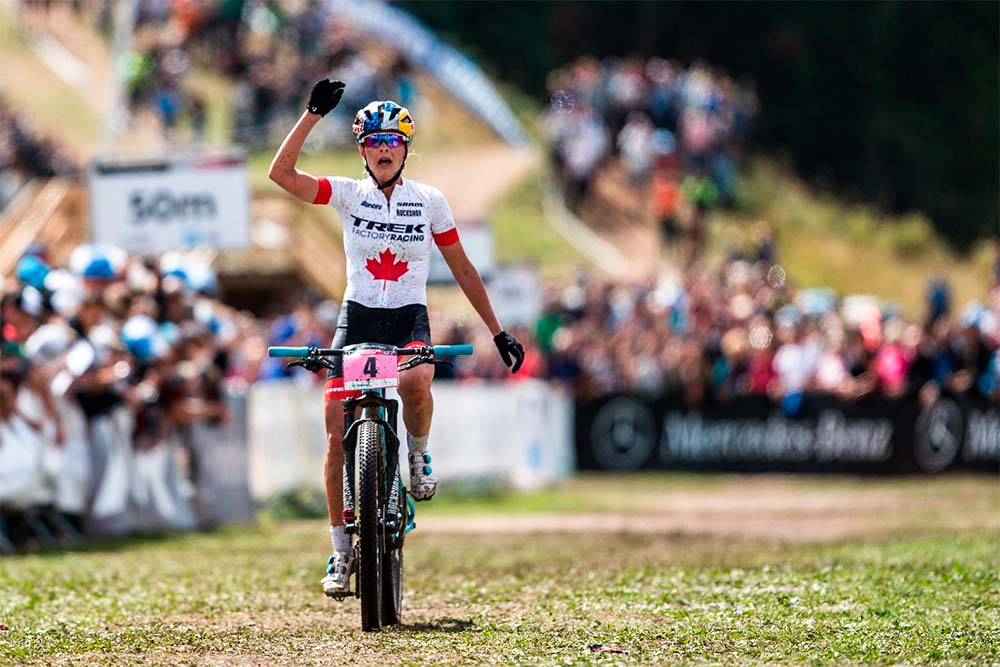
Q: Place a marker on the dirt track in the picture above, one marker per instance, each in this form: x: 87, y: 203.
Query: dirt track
x: 765, y: 508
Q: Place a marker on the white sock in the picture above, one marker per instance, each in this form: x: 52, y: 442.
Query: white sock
x: 416, y: 445
x: 340, y: 540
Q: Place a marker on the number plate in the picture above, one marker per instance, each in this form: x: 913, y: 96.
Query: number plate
x: 370, y: 368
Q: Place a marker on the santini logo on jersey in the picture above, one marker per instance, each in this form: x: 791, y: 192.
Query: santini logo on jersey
x: 374, y: 206
x: 387, y: 231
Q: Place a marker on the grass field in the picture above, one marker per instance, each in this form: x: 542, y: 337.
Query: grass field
x: 891, y: 572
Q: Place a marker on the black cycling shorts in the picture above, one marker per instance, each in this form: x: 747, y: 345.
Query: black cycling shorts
x: 388, y: 326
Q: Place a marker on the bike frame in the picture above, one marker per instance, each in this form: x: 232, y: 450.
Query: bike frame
x: 394, y: 510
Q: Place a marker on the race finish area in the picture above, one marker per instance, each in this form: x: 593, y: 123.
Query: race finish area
x: 668, y: 568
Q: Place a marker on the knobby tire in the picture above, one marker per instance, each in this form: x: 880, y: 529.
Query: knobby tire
x: 371, y: 534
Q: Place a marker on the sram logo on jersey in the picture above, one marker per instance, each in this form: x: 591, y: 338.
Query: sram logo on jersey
x: 403, y: 212
x: 387, y: 231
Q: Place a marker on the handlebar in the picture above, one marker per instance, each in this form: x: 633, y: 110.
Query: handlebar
x: 450, y: 350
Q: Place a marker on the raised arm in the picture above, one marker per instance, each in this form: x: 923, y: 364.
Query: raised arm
x: 325, y: 96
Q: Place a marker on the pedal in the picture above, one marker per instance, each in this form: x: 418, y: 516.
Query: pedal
x: 340, y: 596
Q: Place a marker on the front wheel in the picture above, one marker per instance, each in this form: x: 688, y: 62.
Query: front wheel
x: 370, y: 526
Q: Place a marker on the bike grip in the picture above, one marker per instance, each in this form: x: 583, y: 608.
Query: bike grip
x: 453, y: 349
x: 287, y: 351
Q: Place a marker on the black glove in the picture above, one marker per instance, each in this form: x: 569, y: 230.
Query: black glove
x: 325, y: 96
x: 509, y: 347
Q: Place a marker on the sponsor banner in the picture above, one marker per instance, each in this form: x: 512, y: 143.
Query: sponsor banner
x: 473, y: 436
x: 875, y: 434
x: 457, y: 73
x: 170, y: 204
x: 957, y: 432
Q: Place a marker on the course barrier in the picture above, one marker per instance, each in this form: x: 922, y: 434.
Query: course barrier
x: 513, y: 435
x: 820, y: 433
x: 194, y: 478
x: 517, y: 435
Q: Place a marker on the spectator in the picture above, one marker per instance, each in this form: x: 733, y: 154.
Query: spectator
x: 891, y: 362
x: 583, y: 145
x: 665, y: 201
x: 831, y: 367
x: 633, y: 144
x: 938, y: 299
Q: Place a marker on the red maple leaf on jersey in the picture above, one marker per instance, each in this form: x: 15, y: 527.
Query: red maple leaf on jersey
x: 386, y: 267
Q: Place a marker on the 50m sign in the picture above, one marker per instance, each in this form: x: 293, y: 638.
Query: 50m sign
x: 164, y: 206
x: 202, y: 201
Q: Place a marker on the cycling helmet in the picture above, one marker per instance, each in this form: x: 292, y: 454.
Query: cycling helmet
x: 383, y: 116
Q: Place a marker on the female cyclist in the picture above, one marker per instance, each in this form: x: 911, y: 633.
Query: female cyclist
x: 389, y: 225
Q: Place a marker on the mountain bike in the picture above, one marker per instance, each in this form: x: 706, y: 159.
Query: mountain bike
x: 377, y: 508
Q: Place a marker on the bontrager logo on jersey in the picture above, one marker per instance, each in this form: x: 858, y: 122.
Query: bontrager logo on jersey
x: 387, y: 231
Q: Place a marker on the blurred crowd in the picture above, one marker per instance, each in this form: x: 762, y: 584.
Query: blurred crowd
x: 678, y: 132
x: 742, y: 329
x: 147, y: 344
x: 25, y: 154
x: 256, y: 59
x: 110, y: 346
x: 271, y: 52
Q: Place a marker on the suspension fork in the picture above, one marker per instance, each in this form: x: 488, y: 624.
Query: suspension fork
x: 394, y: 492
x: 372, y: 411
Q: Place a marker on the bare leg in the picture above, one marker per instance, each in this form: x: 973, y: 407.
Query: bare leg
x: 333, y: 467
x: 418, y: 405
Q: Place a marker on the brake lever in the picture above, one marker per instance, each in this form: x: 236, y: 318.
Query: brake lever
x: 414, y: 361
x: 311, y: 365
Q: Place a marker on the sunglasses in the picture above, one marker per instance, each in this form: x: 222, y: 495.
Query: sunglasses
x: 389, y: 139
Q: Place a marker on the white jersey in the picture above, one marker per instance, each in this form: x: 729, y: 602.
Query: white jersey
x: 388, y: 243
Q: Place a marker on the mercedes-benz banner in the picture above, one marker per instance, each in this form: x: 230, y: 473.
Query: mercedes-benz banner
x: 156, y: 205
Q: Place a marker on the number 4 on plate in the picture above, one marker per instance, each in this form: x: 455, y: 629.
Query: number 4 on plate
x: 370, y: 369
